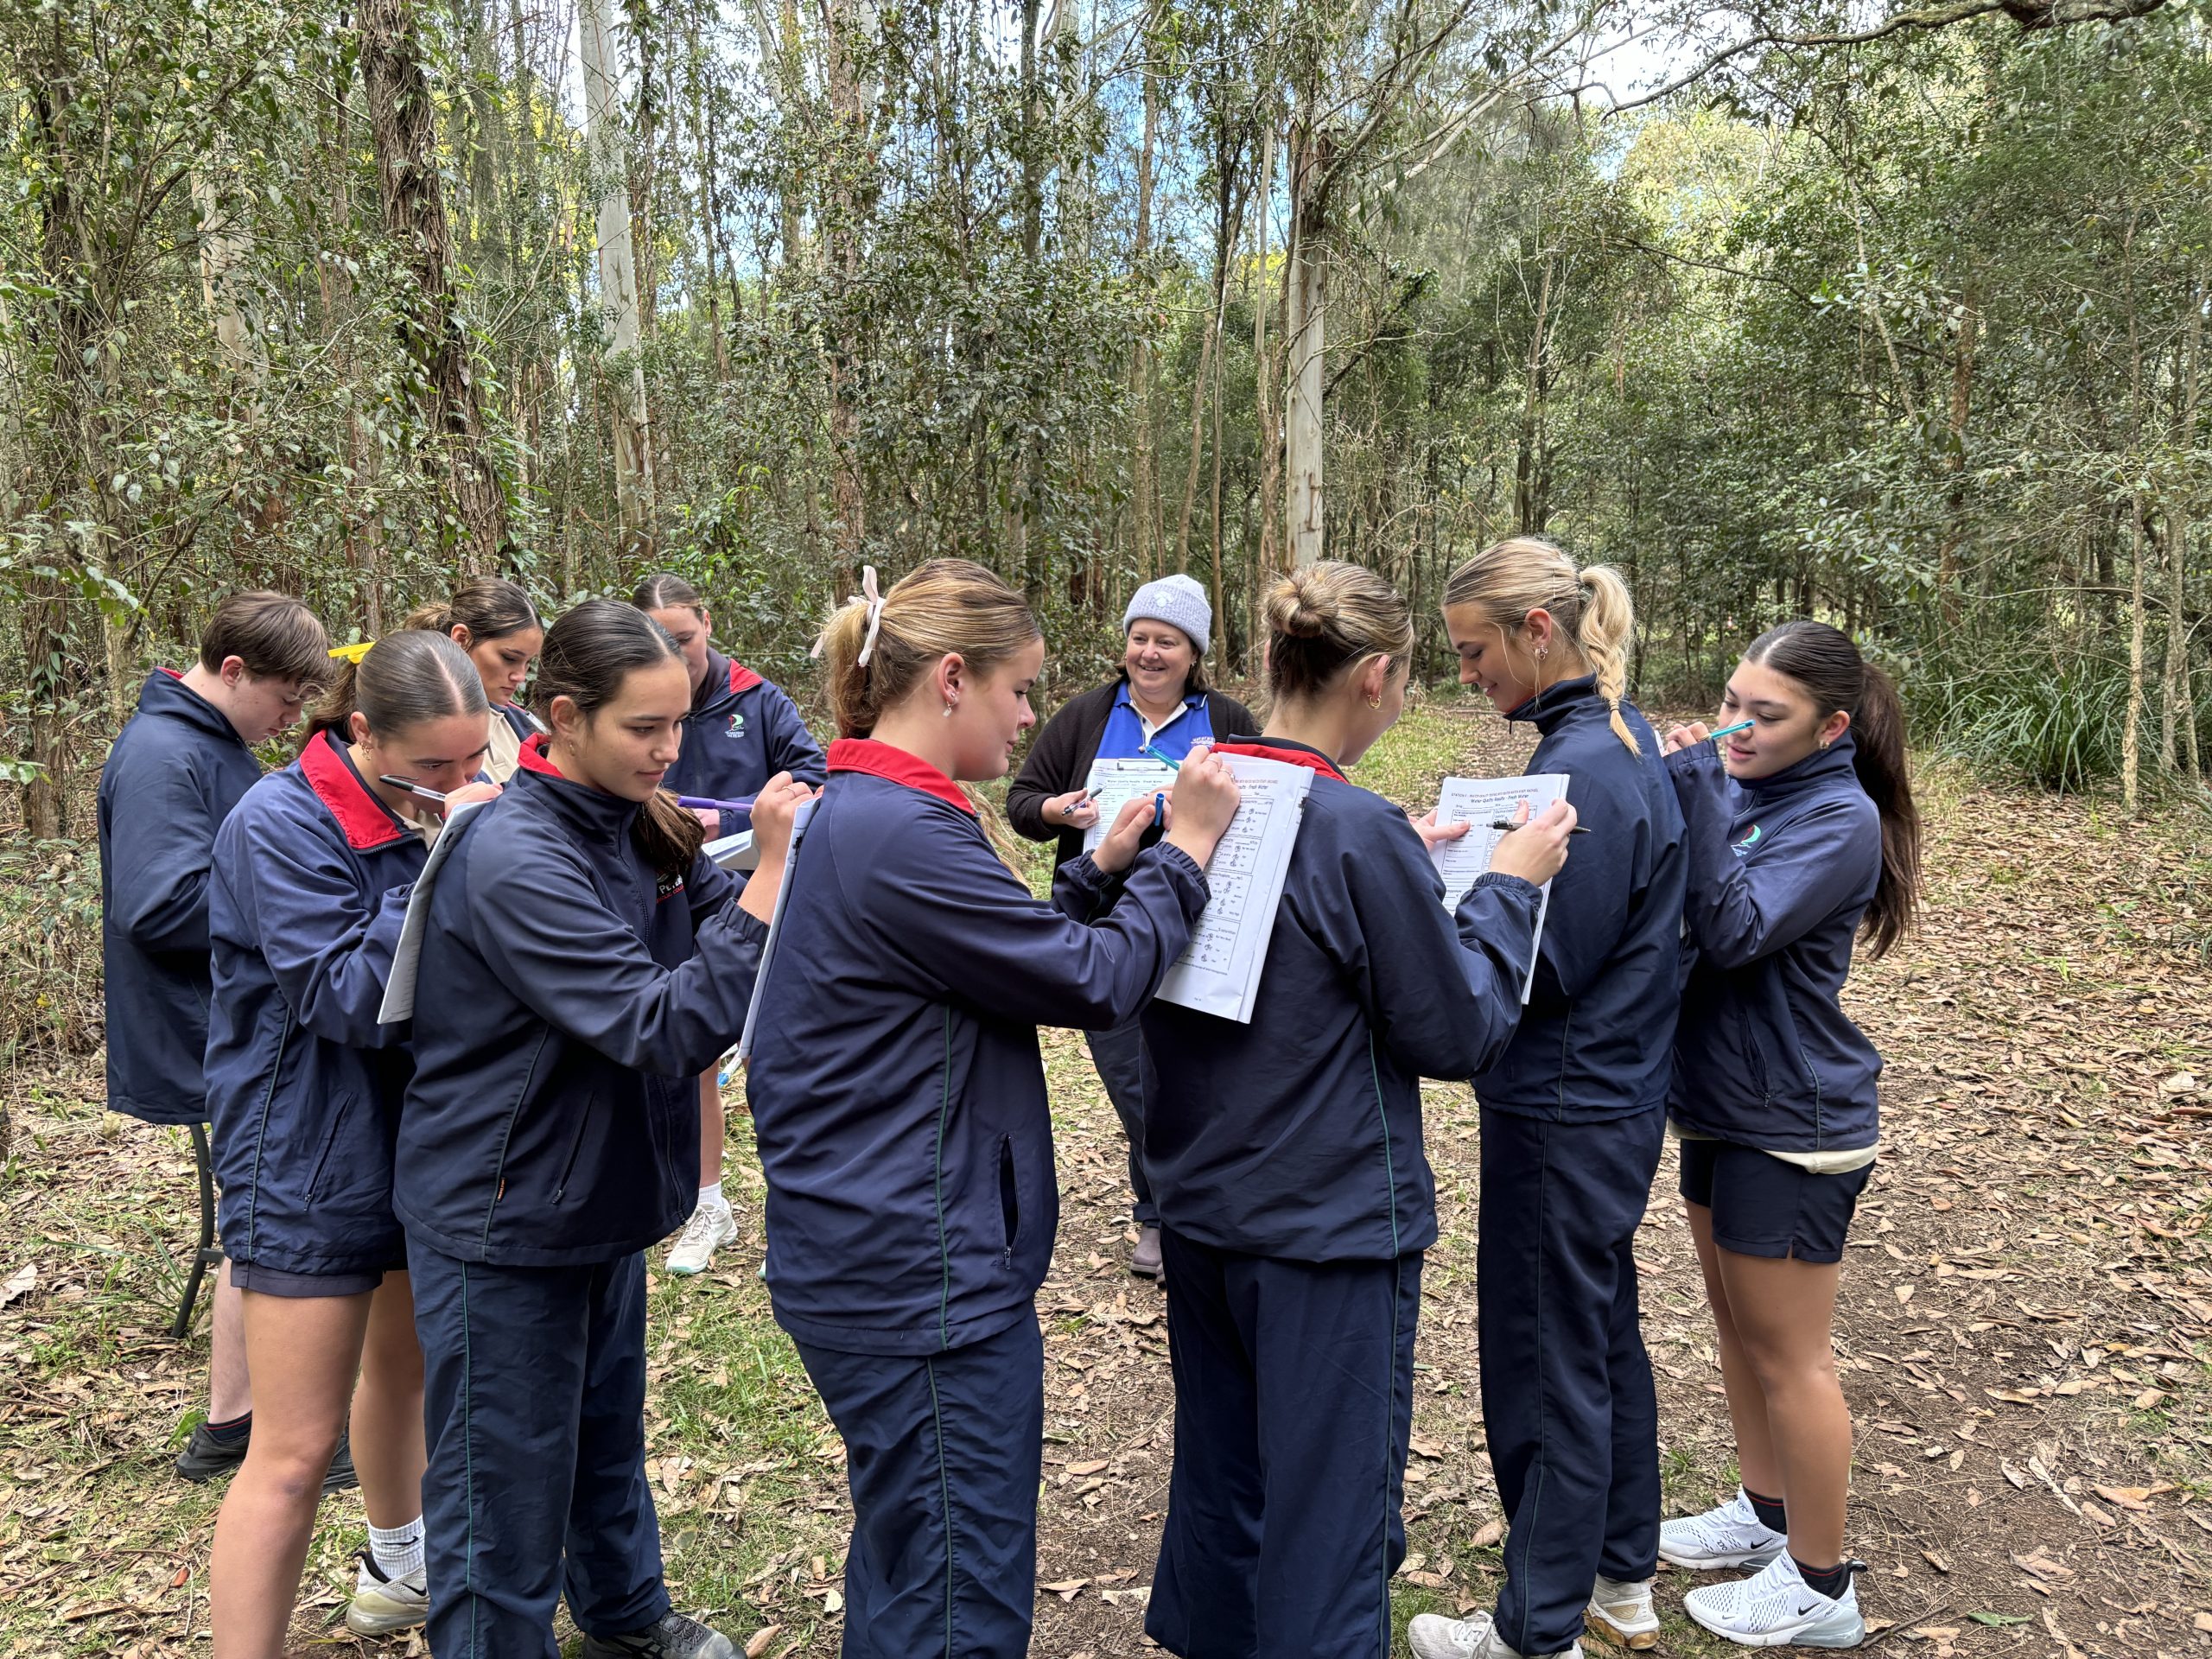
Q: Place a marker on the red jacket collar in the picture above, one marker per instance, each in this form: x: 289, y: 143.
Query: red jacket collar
x: 741, y: 679
x: 171, y: 672
x: 533, y: 757
x: 367, y: 822
x: 1295, y: 756
x: 882, y: 761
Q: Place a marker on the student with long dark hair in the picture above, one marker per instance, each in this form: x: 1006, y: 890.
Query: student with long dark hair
x: 1573, y: 1123
x: 1802, y: 838
x: 740, y: 731
x: 1287, y: 1155
x: 184, y: 760
x: 312, y: 874
x: 494, y: 622
x: 582, y: 963
x: 898, y: 1096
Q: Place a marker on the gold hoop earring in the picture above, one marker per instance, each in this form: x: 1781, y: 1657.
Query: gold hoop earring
x: 1375, y: 703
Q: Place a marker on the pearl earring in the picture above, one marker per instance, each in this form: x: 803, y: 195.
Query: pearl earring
x: 948, y: 711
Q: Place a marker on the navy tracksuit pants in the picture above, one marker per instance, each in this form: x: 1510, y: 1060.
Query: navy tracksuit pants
x: 1567, y: 1400
x: 943, y: 1452
x: 534, y: 1398
x: 1122, y: 1065
x: 1293, y: 1400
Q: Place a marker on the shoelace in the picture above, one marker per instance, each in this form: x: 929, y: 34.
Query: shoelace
x: 700, y: 1229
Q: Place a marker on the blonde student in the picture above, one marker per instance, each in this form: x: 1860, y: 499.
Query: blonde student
x: 898, y: 1096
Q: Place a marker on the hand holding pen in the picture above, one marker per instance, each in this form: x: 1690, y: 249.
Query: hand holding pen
x: 1681, y: 737
x: 1534, y: 849
x: 444, y: 802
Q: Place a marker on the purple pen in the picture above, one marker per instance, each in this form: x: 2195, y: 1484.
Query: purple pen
x: 704, y: 803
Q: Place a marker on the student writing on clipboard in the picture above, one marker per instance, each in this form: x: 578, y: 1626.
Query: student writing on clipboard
x: 898, y: 1097
x: 582, y: 963
x: 1572, y: 1122
x: 1295, y: 1197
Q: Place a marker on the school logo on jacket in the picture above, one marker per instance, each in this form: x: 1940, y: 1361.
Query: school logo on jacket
x: 737, y: 725
x: 669, y: 886
x: 1749, y: 842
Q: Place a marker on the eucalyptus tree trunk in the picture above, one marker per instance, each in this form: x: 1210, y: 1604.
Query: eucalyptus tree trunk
x: 402, y: 126
x: 618, y: 272
x: 1305, y: 286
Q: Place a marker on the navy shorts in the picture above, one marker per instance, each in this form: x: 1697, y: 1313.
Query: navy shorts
x: 271, y: 1281
x: 1764, y: 1206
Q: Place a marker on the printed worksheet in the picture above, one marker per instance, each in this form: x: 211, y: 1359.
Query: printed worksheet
x: 1485, y: 801
x: 1219, y: 972
x: 1113, y: 784
x: 398, y: 1002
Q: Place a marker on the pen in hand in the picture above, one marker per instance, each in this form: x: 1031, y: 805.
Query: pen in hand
x: 411, y: 787
x: 1508, y: 824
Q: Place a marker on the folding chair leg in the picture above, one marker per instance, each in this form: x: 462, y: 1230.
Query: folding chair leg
x: 207, y: 1252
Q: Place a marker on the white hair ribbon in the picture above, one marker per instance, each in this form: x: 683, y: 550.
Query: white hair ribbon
x: 873, y: 600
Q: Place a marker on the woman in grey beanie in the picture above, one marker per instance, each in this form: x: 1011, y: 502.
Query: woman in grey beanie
x: 1160, y: 700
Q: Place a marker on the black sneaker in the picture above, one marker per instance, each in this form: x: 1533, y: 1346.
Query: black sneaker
x: 205, y: 1456
x: 674, y: 1637
x: 341, y: 1476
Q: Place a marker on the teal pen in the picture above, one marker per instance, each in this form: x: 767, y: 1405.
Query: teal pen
x: 1740, y: 726
x: 1151, y: 753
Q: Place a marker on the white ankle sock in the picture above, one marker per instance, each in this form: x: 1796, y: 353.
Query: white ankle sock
x: 713, y: 1195
x: 397, y: 1550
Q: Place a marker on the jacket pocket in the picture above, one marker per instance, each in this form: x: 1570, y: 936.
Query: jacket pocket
x: 324, y: 1167
x: 575, y: 1147
x: 1009, y: 1194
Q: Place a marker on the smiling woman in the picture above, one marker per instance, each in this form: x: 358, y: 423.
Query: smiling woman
x: 1158, y: 703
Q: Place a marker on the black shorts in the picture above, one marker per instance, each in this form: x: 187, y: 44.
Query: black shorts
x: 271, y: 1281
x: 1764, y: 1206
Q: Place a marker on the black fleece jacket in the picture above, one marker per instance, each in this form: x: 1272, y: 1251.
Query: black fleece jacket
x: 1060, y: 756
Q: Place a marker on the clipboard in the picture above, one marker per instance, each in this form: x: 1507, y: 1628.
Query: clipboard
x: 799, y: 822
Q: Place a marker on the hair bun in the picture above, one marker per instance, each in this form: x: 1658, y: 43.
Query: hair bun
x: 1302, y: 606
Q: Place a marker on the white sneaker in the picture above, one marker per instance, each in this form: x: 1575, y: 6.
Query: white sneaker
x: 1621, y: 1612
x: 1732, y: 1535
x: 711, y: 1226
x: 1432, y: 1635
x: 1775, y: 1608
x: 381, y: 1605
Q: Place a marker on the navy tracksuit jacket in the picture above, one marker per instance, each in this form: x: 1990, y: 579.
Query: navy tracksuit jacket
x: 1781, y: 871
x: 1573, y: 1125
x: 1296, y: 1200
x: 899, y: 1102
x: 741, y: 732
x: 172, y: 778
x: 568, y: 996
x: 311, y: 886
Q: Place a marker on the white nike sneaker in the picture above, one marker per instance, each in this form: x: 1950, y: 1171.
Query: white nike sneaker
x: 381, y: 1604
x: 1621, y: 1612
x: 1432, y: 1635
x: 1732, y: 1535
x: 1775, y: 1608
x: 711, y: 1226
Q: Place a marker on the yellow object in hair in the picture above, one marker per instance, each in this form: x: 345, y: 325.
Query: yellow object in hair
x: 354, y: 652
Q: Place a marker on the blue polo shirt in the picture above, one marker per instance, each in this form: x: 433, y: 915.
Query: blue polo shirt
x: 1123, y: 738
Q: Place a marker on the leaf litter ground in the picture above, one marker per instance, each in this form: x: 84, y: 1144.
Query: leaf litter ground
x: 2025, y: 1339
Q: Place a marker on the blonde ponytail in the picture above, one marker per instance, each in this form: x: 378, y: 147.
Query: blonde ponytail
x: 875, y: 651
x: 1601, y: 633
x: 1509, y: 579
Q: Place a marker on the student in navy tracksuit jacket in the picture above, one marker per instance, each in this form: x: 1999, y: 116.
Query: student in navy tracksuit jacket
x: 1801, y: 835
x: 495, y: 623
x: 581, y: 964
x: 174, y: 773
x: 1572, y: 1122
x: 898, y: 1097
x: 1295, y: 1198
x: 312, y: 874
x: 741, y: 732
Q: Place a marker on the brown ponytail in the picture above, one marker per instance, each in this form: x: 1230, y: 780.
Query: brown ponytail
x: 489, y: 607
x: 1325, y: 621
x: 1591, y: 606
x: 588, y: 653
x: 1824, y: 661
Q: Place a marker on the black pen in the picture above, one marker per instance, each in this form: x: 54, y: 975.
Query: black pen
x: 1494, y: 824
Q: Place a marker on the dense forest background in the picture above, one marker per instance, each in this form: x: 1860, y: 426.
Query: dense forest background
x: 1896, y: 319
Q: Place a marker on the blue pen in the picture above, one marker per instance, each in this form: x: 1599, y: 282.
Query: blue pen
x: 1740, y: 726
x: 1158, y: 811
x: 1171, y: 764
